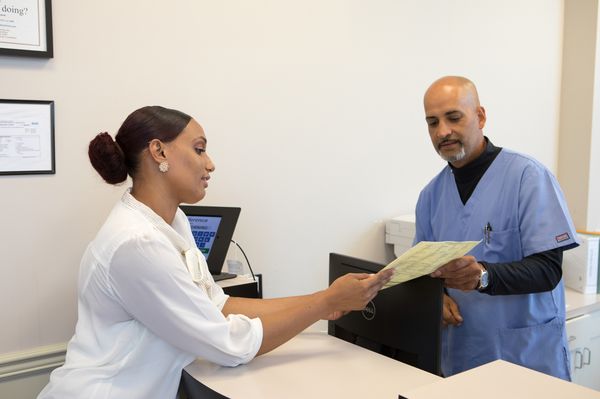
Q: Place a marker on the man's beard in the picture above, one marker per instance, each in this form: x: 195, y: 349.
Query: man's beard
x: 453, y: 158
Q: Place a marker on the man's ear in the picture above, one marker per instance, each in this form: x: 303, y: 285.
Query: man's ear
x: 157, y: 150
x: 481, y: 116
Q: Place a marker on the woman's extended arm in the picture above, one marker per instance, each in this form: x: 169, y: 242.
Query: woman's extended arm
x: 284, y: 318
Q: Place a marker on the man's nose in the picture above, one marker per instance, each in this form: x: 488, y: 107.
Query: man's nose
x: 443, y: 130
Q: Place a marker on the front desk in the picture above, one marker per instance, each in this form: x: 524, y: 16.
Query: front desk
x: 312, y: 365
x: 317, y: 365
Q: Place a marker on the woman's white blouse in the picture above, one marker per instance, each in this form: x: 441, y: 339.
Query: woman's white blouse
x: 141, y: 317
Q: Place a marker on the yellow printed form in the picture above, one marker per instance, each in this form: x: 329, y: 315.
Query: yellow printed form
x: 426, y: 257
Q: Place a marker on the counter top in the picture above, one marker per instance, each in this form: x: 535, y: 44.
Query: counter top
x: 313, y: 365
x: 499, y: 380
x: 579, y: 304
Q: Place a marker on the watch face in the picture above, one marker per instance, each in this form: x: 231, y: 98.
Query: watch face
x: 484, y: 279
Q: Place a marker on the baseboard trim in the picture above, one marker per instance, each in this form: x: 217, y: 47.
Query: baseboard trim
x: 31, y: 361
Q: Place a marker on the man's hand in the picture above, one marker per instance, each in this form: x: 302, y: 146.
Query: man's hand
x: 461, y: 273
x: 451, y: 314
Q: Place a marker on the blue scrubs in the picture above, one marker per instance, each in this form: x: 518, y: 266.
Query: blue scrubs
x: 524, y: 205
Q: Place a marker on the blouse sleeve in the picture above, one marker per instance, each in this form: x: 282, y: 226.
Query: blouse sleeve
x: 151, y: 282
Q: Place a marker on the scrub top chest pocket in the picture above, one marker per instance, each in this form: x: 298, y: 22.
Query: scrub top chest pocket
x: 501, y: 246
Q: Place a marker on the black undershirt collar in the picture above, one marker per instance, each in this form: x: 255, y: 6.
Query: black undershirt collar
x: 468, y: 176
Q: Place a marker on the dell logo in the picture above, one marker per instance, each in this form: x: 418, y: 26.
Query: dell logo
x: 369, y: 311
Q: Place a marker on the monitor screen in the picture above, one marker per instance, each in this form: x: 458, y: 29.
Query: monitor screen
x: 204, y: 230
x: 212, y: 228
x: 403, y: 322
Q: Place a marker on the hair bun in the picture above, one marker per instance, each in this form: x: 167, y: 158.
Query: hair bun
x: 107, y: 158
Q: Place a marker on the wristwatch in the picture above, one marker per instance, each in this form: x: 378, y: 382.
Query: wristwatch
x: 484, y: 280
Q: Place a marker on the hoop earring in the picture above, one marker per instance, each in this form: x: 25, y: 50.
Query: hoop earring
x: 163, y: 166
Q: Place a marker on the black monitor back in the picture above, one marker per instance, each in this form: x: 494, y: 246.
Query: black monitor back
x: 403, y: 322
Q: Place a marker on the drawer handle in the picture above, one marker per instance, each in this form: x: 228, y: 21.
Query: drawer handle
x: 589, y: 356
x: 578, y: 359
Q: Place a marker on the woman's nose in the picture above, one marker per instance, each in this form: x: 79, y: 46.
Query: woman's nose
x: 210, y: 166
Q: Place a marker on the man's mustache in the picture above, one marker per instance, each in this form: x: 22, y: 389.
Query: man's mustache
x: 446, y: 140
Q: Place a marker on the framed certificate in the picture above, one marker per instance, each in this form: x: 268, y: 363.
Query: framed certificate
x: 26, y: 28
x: 26, y: 137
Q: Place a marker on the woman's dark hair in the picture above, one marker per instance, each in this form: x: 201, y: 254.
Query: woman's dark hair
x: 115, y: 159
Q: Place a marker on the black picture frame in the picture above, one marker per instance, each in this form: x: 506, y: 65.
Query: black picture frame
x: 44, y: 48
x: 27, y: 137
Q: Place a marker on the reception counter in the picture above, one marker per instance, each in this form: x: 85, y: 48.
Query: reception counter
x: 313, y: 365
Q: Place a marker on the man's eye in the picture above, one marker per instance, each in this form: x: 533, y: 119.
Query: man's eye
x: 199, y: 151
x: 432, y: 123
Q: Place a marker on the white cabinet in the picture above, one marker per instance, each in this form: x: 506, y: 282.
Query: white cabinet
x: 583, y: 333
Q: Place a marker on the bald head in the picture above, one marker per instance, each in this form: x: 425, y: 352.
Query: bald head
x: 458, y: 86
x: 455, y: 119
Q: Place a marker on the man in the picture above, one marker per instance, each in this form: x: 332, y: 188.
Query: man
x: 506, y: 299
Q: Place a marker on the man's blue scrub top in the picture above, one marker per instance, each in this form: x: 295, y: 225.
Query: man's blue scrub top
x: 524, y: 205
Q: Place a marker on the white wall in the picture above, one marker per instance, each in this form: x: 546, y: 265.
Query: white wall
x: 579, y: 139
x: 312, y: 110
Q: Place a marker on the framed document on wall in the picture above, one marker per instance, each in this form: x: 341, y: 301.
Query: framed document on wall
x: 26, y: 28
x: 26, y: 137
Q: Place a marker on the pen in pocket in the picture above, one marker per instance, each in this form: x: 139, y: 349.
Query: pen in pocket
x: 487, y: 232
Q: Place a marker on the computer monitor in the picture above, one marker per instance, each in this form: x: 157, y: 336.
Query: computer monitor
x: 212, y: 228
x: 403, y: 322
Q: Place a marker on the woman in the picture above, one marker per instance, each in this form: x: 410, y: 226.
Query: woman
x: 147, y: 305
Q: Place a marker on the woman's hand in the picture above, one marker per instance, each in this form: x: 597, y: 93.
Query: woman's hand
x: 336, y: 315
x: 353, y: 291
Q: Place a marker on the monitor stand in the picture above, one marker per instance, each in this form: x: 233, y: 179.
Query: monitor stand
x: 223, y: 276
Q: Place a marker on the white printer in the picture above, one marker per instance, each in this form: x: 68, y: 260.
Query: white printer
x: 581, y: 264
x: 400, y: 231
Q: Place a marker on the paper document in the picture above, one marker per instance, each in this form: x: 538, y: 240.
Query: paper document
x: 426, y: 257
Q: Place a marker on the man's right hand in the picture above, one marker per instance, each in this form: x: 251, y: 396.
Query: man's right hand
x: 451, y: 313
